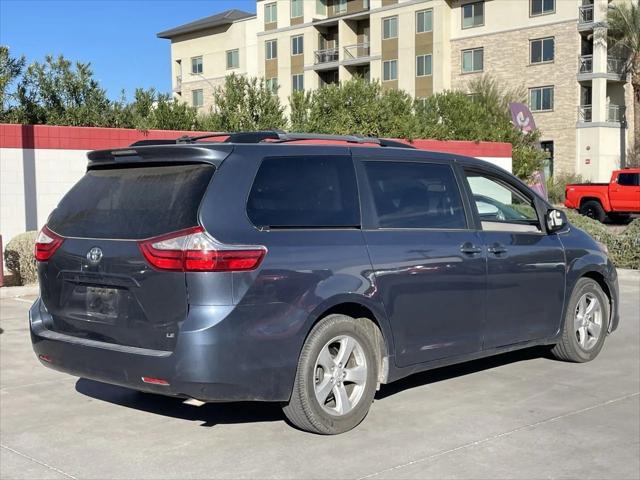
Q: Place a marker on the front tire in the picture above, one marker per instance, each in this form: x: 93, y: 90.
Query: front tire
x: 585, y: 325
x: 593, y: 209
x: 336, y: 377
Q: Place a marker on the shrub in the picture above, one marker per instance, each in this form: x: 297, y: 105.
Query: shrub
x: 624, y: 248
x: 556, y: 186
x: 20, y: 259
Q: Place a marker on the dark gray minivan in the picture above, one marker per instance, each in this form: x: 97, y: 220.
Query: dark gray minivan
x: 306, y: 270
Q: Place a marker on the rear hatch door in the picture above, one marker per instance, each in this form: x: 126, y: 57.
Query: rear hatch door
x: 98, y: 284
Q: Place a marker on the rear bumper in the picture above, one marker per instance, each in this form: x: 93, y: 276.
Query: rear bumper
x: 214, y: 358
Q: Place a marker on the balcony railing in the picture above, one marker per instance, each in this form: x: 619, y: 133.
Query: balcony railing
x: 178, y: 85
x: 586, y: 63
x: 616, y: 65
x: 326, y: 56
x: 359, y: 50
x: 585, y: 14
x: 615, y: 113
x: 585, y: 113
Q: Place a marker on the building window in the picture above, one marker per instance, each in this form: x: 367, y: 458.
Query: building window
x: 541, y: 99
x: 389, y: 28
x: 390, y: 70
x: 321, y: 7
x: 233, y: 58
x: 297, y: 8
x: 271, y: 49
x: 423, y: 65
x: 542, y: 50
x: 271, y: 13
x: 297, y: 45
x: 197, y: 97
x: 542, y: 7
x: 272, y: 84
x: 424, y: 21
x: 473, y: 60
x: 366, y: 4
x: 297, y: 82
x: 340, y: 6
x: 473, y: 15
x: 196, y: 65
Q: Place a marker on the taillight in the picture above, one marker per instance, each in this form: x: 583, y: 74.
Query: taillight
x: 47, y: 243
x: 194, y: 250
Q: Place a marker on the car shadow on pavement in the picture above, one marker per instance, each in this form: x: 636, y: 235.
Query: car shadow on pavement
x: 460, y: 369
x: 212, y: 414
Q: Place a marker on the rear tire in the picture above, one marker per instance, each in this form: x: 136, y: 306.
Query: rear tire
x: 336, y: 377
x: 585, y: 325
x: 593, y: 209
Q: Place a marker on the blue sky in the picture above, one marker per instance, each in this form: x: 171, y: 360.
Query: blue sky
x: 117, y: 37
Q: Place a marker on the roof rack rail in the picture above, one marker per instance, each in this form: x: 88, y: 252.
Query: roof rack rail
x: 284, y: 137
x: 276, y: 136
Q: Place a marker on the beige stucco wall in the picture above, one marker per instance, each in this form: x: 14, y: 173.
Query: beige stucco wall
x: 506, y: 15
x: 506, y: 58
x: 213, y: 45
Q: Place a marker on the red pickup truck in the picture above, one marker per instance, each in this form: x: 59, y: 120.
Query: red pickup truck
x: 615, y: 200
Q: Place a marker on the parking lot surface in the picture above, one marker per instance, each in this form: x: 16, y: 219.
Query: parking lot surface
x: 518, y: 415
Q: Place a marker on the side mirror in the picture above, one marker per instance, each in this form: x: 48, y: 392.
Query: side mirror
x: 556, y: 220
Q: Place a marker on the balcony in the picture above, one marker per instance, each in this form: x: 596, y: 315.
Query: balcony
x: 356, y: 54
x: 615, y: 114
x: 328, y: 55
x: 616, y: 68
x: 177, y: 88
x: 585, y: 16
x: 586, y: 64
x: 585, y: 113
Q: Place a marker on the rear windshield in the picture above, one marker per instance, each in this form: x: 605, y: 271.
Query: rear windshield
x: 132, y: 203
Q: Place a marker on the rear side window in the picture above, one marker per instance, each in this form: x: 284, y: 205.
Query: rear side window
x: 415, y: 195
x: 132, y: 203
x: 305, y: 192
x: 629, y: 179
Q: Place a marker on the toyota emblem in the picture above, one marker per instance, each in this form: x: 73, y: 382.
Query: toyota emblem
x: 94, y: 255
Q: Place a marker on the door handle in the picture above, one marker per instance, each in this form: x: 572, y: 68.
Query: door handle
x: 469, y: 248
x: 497, y: 249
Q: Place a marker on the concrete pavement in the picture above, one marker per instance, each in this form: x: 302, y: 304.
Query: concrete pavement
x: 518, y: 415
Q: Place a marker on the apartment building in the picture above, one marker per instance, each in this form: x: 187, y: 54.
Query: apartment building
x: 555, y: 49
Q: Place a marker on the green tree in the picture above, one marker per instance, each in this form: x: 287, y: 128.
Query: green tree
x: 244, y: 104
x: 623, y: 38
x: 355, y: 107
x: 153, y: 110
x: 60, y: 93
x: 10, y: 69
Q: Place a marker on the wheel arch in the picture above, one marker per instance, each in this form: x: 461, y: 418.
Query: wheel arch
x: 356, y: 306
x: 601, y: 280
x: 604, y: 203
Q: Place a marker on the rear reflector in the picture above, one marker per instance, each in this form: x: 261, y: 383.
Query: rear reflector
x: 194, y: 250
x: 45, y: 358
x: 155, y: 381
x: 47, y: 243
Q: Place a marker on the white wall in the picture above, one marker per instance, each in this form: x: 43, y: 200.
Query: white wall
x: 49, y: 175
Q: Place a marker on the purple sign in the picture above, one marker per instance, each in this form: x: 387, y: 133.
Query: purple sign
x: 522, y: 117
